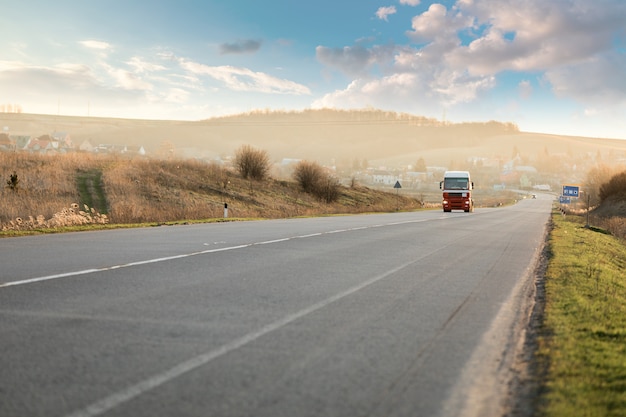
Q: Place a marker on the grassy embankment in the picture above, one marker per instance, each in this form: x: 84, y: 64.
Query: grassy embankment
x: 583, y: 338
x: 148, y: 192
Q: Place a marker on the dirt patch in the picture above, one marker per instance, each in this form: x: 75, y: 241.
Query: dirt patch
x: 528, y: 370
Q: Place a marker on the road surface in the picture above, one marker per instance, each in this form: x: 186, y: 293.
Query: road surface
x: 403, y: 314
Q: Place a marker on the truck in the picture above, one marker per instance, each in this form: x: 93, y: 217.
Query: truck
x: 457, y: 189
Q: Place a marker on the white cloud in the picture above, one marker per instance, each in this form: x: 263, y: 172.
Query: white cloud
x: 437, y: 24
x: 538, y: 35
x: 99, y: 45
x: 128, y: 80
x: 68, y: 87
x: 142, y: 66
x: 455, y: 54
x: 244, y: 79
x: 599, y: 79
x: 384, y: 12
x: 410, y: 2
x: 177, y: 95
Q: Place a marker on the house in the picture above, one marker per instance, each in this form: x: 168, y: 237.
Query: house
x: 383, y: 177
x: 42, y: 144
x: 134, y: 150
x: 6, y: 143
x: 20, y: 141
x: 64, y: 140
x: 86, y: 146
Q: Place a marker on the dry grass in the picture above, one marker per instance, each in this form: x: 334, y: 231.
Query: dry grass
x: 148, y: 191
x: 46, y: 185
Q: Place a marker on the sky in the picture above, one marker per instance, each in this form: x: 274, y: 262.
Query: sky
x: 549, y: 66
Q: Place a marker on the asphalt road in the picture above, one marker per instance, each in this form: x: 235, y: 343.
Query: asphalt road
x: 404, y: 314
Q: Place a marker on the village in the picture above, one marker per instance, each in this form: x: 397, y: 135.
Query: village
x: 61, y: 143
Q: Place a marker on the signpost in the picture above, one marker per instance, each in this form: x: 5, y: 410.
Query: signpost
x: 571, y: 191
x: 397, y: 186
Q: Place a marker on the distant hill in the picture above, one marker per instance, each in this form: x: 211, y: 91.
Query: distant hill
x: 326, y: 136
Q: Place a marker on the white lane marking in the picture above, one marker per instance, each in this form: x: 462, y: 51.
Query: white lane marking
x: 133, y: 391
x: 267, y: 242
x: 186, y: 255
x: 110, y: 268
x: 305, y: 236
x: 66, y: 274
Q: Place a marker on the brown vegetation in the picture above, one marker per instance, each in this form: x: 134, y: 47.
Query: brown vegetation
x: 313, y: 180
x: 605, y: 199
x: 145, y: 191
x: 252, y: 163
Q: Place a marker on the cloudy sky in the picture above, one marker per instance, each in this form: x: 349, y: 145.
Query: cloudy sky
x: 553, y: 66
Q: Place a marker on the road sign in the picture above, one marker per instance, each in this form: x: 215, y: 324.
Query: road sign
x: 564, y: 200
x: 397, y: 185
x: 571, y: 191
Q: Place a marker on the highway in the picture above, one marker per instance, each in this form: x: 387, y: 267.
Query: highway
x: 401, y: 314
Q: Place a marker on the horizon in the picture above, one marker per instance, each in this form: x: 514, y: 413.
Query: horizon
x: 551, y: 67
x: 266, y: 112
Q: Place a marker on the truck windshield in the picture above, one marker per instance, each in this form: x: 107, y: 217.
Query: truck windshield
x: 455, y: 184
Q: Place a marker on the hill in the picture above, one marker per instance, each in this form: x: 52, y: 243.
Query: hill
x: 327, y: 136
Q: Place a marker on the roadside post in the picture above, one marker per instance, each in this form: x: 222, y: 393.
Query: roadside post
x: 225, y: 210
x: 397, y: 186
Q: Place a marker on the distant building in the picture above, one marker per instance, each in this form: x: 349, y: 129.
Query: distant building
x: 86, y: 146
x: 384, y: 177
x: 135, y: 150
x: 6, y: 143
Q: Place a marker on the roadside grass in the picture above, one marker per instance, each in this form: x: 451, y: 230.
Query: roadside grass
x: 582, y: 342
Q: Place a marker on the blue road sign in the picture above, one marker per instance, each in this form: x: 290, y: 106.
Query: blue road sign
x: 570, y: 191
x: 564, y: 200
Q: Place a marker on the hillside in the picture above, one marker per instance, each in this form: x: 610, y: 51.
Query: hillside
x: 52, y: 190
x: 327, y: 136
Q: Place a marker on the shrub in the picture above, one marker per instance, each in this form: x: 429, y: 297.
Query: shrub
x: 311, y: 177
x: 308, y: 175
x: 596, y: 177
x: 328, y: 189
x: 616, y: 187
x: 13, y: 182
x: 252, y: 163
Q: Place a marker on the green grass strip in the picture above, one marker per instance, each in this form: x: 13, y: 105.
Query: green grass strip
x: 91, y: 190
x: 583, y: 341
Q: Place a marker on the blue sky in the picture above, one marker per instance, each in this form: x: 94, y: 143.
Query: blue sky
x: 552, y: 66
